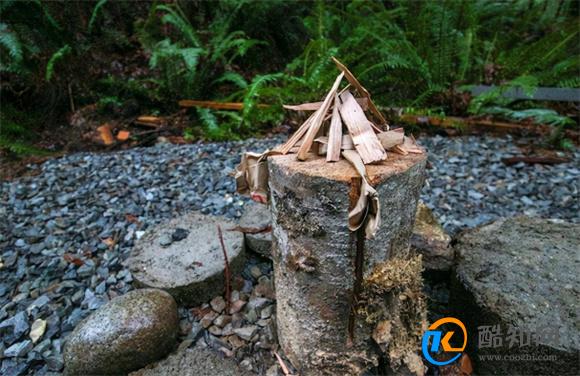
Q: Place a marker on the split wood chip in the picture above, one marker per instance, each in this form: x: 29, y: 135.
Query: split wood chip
x: 123, y: 135
x: 367, y: 209
x: 106, y: 135
x: 346, y: 143
x: 318, y: 119
x: 252, y: 176
x: 334, y: 133
x: 313, y: 106
x: 365, y: 140
x: 292, y: 141
x: 392, y: 138
x: 362, y: 91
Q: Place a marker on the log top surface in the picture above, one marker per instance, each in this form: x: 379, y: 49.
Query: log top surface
x: 316, y: 166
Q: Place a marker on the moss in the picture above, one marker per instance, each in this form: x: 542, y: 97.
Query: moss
x: 392, y: 299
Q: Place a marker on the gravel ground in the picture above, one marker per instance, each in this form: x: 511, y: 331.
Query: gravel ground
x: 65, y: 232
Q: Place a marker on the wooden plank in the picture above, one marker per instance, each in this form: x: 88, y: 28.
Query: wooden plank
x: 334, y: 134
x: 363, y: 136
x: 313, y: 106
x: 362, y: 91
x: 318, y: 119
x: 215, y: 105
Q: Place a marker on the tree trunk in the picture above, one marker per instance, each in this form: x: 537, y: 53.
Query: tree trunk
x: 321, y: 268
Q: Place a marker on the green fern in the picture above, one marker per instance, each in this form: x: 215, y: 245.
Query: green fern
x: 95, y: 14
x: 55, y: 58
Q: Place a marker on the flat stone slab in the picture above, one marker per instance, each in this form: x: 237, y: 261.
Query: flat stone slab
x: 258, y: 216
x: 521, y: 273
x: 192, y: 362
x: 184, y: 257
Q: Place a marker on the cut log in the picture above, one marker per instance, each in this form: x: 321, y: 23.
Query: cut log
x: 365, y: 140
x: 318, y: 118
x: 334, y: 134
x: 314, y: 263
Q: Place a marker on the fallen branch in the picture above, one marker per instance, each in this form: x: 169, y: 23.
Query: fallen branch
x: 534, y: 160
x: 150, y: 121
x: 216, y: 105
x: 282, y: 365
x: 455, y: 122
x: 227, y: 273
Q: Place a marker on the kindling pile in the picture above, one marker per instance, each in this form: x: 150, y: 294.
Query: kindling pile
x: 338, y: 127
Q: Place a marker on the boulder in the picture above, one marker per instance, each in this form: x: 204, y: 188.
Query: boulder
x: 192, y: 362
x: 125, y: 334
x: 257, y: 216
x: 430, y: 240
x: 184, y: 257
x: 517, y: 289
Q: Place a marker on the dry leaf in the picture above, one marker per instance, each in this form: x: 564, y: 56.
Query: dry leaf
x: 73, y: 259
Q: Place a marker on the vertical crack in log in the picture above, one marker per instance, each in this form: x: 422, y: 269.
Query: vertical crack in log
x: 358, y: 243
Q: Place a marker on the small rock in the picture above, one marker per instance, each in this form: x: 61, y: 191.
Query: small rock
x: 257, y: 216
x: 215, y: 330
x: 266, y: 312
x: 164, y: 240
x: 247, y: 332
x: 179, y: 234
x: 207, y: 320
x: 223, y: 320
x: 430, y: 240
x: 237, y: 306
x: 18, y: 349
x: 255, y: 272
x: 37, y: 330
x: 218, y: 304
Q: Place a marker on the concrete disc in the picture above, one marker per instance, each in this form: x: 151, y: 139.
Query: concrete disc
x: 184, y: 257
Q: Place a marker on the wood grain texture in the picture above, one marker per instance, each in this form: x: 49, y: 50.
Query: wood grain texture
x: 318, y: 119
x: 363, y: 136
x: 362, y: 91
x: 334, y: 133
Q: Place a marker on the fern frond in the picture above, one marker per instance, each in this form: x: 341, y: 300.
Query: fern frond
x: 95, y: 14
x: 57, y: 56
x: 175, y: 17
x: 234, y: 78
x: 9, y: 40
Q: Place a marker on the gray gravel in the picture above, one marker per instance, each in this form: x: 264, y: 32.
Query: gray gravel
x: 65, y: 232
x: 469, y: 185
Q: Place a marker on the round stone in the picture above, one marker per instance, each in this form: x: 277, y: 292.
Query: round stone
x: 123, y: 335
x: 190, y: 269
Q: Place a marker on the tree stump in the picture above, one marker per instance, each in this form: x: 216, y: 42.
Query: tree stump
x: 321, y: 328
